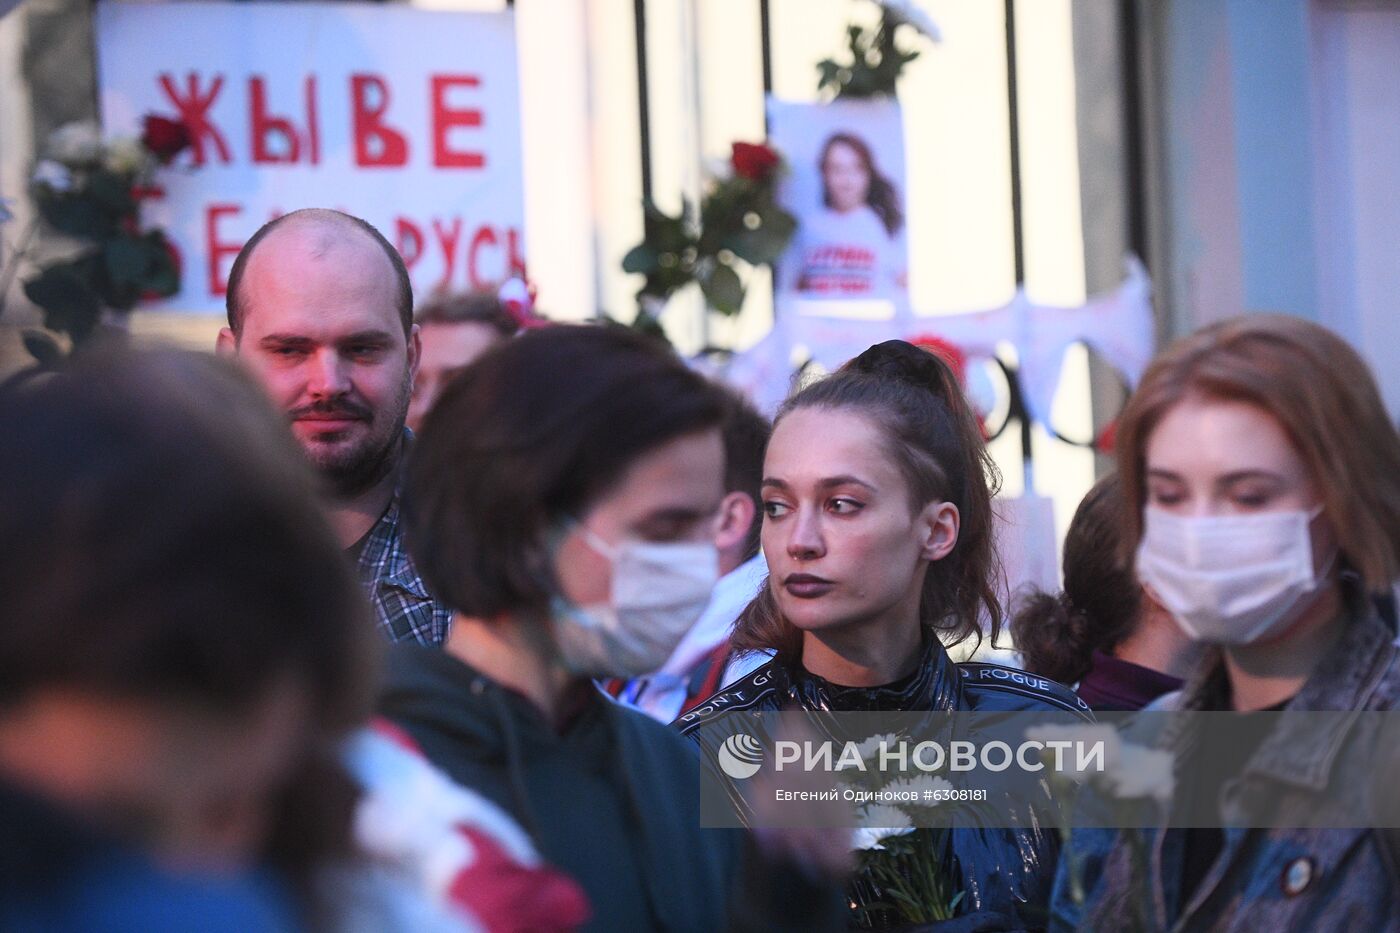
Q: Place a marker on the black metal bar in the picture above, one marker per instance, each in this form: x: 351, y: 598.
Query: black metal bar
x: 1017, y: 241
x: 1134, y: 171
x: 639, y: 16
x: 765, y: 36
x: 1017, y: 237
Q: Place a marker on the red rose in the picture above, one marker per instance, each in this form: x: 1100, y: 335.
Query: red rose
x: 1108, y: 438
x: 164, y: 138
x: 754, y: 162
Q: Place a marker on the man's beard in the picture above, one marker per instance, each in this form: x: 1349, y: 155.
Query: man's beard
x: 351, y: 471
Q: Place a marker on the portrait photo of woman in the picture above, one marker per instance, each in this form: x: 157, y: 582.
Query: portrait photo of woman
x: 850, y: 242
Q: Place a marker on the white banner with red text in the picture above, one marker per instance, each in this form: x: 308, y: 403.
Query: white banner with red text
x: 407, y: 118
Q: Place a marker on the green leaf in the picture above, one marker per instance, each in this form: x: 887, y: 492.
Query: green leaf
x: 128, y: 260
x: 766, y: 243
x: 163, y: 277
x: 723, y: 290
x: 76, y: 216
x: 640, y: 258
x: 69, y: 302
x: 112, y: 192
x: 646, y: 324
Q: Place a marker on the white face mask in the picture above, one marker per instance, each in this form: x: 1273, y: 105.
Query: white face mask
x: 1229, y: 579
x: 658, y: 591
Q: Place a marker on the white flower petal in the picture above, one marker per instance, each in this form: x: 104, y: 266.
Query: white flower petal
x: 76, y: 144
x: 1142, y: 772
x: 918, y: 786
x: 125, y: 156
x: 870, y: 748
x: 878, y: 823
x: 52, y: 175
x: 907, y: 11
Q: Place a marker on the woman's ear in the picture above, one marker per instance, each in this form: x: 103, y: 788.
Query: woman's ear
x: 939, y: 523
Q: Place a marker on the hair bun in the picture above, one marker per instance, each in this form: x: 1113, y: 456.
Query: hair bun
x: 901, y: 361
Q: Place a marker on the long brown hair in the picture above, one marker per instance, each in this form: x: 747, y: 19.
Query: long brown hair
x: 1323, y: 395
x: 932, y: 435
x: 881, y: 195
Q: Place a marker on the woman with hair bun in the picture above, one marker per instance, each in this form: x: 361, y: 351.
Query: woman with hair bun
x: 877, y: 495
x: 1102, y: 633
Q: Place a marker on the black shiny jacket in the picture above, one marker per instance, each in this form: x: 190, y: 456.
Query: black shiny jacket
x: 1005, y: 875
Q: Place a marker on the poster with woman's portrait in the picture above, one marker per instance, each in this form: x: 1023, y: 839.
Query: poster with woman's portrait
x: 846, y: 188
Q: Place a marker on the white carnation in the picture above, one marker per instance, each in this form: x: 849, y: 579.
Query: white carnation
x: 76, y: 144
x: 52, y: 175
x: 907, y: 11
x: 125, y: 156
x: 871, y: 746
x: 878, y: 823
x: 918, y: 785
x: 1130, y: 771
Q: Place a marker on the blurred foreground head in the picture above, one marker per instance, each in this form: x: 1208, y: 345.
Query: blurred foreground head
x: 179, y: 634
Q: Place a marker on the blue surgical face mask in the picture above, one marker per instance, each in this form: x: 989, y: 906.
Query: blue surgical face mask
x: 658, y: 591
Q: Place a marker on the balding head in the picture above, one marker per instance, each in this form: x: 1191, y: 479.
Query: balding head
x: 319, y: 233
x: 319, y: 310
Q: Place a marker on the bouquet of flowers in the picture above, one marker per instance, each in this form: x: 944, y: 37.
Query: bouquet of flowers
x: 89, y: 190
x: 739, y: 223
x: 899, y: 867
x: 1133, y: 775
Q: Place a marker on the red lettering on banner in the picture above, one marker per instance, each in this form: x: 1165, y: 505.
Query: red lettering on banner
x: 446, y: 118
x: 516, y: 254
x: 485, y: 236
x: 194, y: 113
x: 262, y: 125
x: 408, y: 240
x: 448, y: 240
x: 313, y: 127
x: 392, y: 147
x: 219, y: 249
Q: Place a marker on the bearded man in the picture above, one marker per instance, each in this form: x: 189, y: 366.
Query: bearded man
x: 320, y: 310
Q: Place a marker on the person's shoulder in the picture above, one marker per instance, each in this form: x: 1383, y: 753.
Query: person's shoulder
x: 758, y: 690
x: 409, y: 663
x: 1008, y: 689
x: 654, y: 752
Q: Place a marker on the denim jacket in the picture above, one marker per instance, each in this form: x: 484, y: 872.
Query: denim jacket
x: 1263, y: 879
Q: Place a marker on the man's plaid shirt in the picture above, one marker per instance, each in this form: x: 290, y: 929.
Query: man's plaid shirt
x: 402, y: 606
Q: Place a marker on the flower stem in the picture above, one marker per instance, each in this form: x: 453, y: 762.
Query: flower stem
x: 7, y: 274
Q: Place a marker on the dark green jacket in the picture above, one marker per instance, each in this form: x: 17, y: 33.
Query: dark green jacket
x: 613, y: 800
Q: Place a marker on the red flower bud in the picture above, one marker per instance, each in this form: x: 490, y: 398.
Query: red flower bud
x: 755, y: 162
x: 1108, y: 438
x: 165, y: 138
